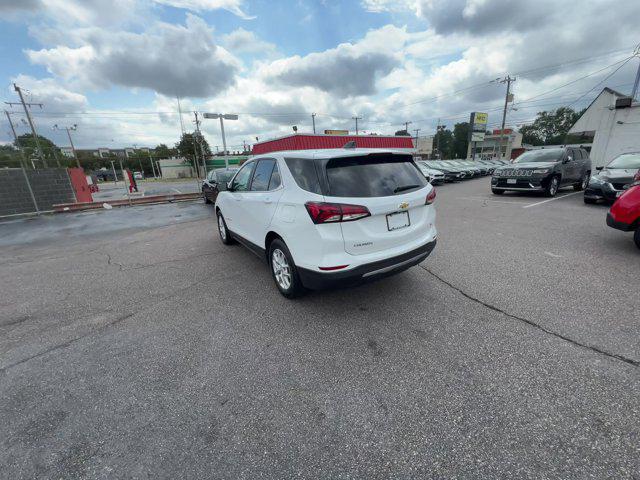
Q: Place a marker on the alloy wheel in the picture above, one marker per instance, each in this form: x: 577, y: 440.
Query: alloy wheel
x: 281, y: 269
x: 221, y: 228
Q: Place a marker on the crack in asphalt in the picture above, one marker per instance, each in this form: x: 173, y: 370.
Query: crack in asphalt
x: 139, y: 266
x: 535, y: 325
x: 67, y: 343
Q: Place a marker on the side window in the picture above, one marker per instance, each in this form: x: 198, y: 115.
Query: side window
x: 275, y: 181
x: 579, y: 155
x: 262, y: 175
x: 212, y: 176
x: 304, y: 173
x: 241, y: 180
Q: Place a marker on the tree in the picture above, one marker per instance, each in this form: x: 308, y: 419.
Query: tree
x: 402, y: 133
x: 551, y: 127
x: 189, y: 144
x: 50, y: 150
x: 162, y: 151
x: 443, y: 143
x: 460, y: 139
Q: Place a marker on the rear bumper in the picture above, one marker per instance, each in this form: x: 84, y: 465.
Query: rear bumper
x: 599, y: 193
x: 365, y: 273
x: 625, y: 227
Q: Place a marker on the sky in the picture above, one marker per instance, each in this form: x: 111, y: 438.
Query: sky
x: 115, y: 68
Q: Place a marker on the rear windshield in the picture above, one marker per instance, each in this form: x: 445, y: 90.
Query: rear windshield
x: 373, y: 176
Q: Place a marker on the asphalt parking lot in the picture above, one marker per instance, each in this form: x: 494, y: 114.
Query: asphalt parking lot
x: 134, y: 344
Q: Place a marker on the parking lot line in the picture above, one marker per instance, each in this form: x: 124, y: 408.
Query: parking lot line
x: 485, y: 199
x: 550, y: 200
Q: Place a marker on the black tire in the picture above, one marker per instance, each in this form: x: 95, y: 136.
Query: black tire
x: 636, y: 237
x: 293, y: 287
x: 497, y: 192
x: 552, y: 187
x: 582, y: 184
x: 590, y: 201
x: 223, y: 231
x: 206, y: 199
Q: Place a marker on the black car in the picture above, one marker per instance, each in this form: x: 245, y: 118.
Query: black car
x: 216, y: 182
x: 451, y: 174
x: 544, y: 170
x: 611, y: 181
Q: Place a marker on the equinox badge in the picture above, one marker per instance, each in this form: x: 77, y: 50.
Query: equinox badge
x: 403, y: 205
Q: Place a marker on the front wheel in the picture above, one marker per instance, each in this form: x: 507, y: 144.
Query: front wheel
x: 552, y: 187
x: 283, y: 270
x: 590, y: 201
x: 582, y: 184
x: 225, y: 236
x: 636, y: 237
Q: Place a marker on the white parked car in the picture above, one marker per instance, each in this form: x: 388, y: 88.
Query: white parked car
x: 433, y: 176
x: 326, y: 218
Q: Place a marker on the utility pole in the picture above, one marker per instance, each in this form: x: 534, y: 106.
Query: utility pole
x: 439, y: 128
x: 153, y: 169
x: 15, y: 136
x: 634, y: 92
x: 180, y: 114
x: 204, y: 164
x: 115, y: 177
x: 31, y: 124
x: 356, y: 118
x: 416, y: 130
x: 313, y: 120
x: 406, y: 126
x: 73, y: 148
x: 507, y: 98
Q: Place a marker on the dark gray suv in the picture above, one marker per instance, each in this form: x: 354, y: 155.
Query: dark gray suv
x: 544, y: 170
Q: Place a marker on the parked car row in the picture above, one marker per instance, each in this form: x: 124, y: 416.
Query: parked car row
x: 440, y: 171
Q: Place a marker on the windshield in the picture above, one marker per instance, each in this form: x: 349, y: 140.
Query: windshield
x: 550, y: 155
x: 225, y: 176
x: 627, y: 160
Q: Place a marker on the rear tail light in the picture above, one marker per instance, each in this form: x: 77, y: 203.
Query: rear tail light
x: 322, y: 212
x: 431, y: 197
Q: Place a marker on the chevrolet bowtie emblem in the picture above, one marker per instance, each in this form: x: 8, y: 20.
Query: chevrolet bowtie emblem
x: 404, y: 205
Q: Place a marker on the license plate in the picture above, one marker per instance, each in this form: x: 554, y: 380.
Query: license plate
x: 512, y: 181
x: 398, y: 220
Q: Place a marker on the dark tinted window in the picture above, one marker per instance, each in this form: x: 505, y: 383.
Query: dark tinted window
x: 224, y: 176
x: 304, y: 173
x: 262, y: 175
x: 275, y: 178
x: 373, y: 176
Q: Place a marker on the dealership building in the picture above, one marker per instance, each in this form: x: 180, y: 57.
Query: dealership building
x: 613, y: 122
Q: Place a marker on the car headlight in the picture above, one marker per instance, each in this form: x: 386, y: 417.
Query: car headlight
x: 541, y: 170
x: 595, y: 180
x: 497, y: 173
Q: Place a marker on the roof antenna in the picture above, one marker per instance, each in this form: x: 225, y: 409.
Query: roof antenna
x: 351, y: 144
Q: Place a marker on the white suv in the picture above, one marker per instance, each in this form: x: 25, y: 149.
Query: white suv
x: 325, y: 218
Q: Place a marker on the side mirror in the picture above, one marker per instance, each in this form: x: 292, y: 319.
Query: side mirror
x: 599, y: 168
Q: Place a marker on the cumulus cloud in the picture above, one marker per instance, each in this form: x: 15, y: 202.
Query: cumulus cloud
x: 233, y: 6
x: 245, y: 41
x: 169, y: 59
x: 17, y: 5
x: 347, y: 70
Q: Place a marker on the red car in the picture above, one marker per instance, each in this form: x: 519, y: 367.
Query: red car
x: 625, y: 212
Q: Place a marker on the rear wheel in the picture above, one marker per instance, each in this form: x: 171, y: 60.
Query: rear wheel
x: 497, y: 192
x: 590, y: 201
x: 582, y: 184
x: 636, y: 237
x: 552, y: 187
x: 283, y: 270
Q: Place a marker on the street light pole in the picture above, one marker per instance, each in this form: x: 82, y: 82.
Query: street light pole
x: 31, y: 124
x: 356, y: 118
x: 73, y: 148
x: 313, y: 119
x: 222, y: 117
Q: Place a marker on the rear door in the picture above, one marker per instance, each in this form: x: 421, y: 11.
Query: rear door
x: 394, y: 191
x: 261, y: 200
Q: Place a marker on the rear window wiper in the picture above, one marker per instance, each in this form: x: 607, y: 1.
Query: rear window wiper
x: 405, y: 187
